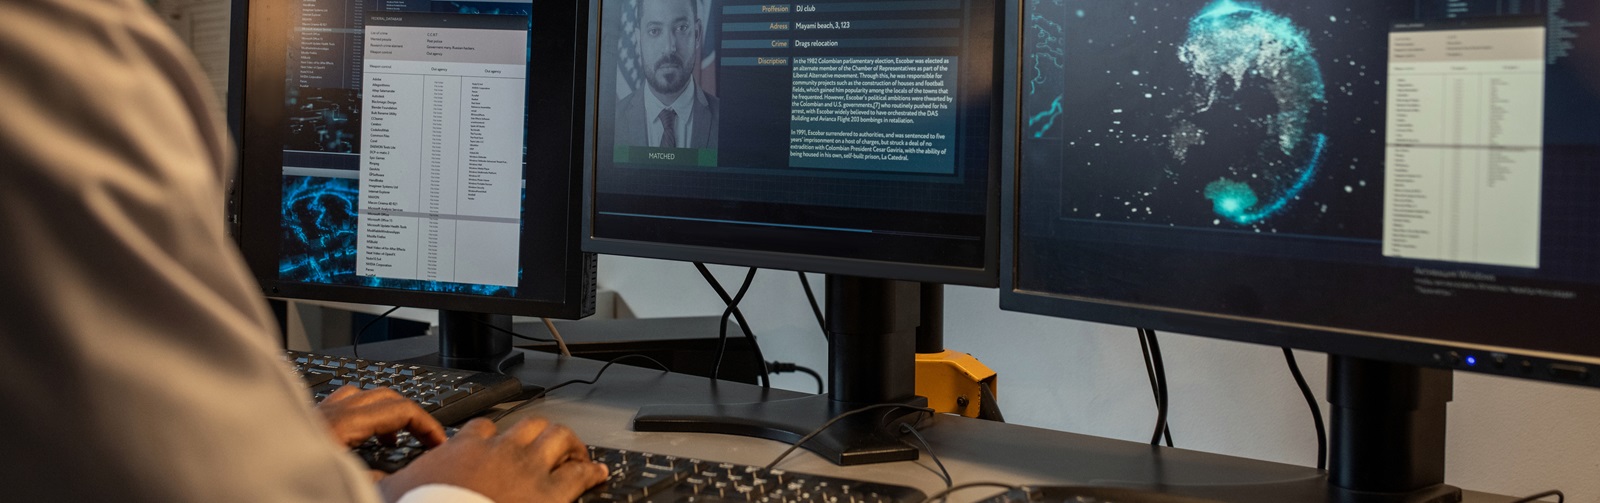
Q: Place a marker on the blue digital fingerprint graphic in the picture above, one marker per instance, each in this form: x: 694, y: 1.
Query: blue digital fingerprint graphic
x: 320, y: 222
x: 319, y: 229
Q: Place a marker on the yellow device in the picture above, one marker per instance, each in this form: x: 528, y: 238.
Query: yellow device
x: 953, y: 382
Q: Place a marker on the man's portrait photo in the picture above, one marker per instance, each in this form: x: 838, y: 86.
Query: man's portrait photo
x: 667, y: 107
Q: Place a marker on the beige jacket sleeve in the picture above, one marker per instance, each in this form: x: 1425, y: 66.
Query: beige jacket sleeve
x: 137, y: 361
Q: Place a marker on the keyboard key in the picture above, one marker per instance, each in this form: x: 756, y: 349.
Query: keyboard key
x: 449, y: 397
x: 648, y: 480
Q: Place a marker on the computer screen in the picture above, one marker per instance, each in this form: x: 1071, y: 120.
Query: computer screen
x: 1411, y: 182
x: 851, y: 138
x: 413, y: 152
x: 833, y: 136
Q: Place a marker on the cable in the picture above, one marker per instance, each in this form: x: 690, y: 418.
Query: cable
x: 1149, y: 368
x: 1560, y: 497
x: 502, y: 370
x: 838, y: 418
x: 733, y: 309
x: 1161, y: 386
x: 355, y: 342
x: 513, y: 334
x: 821, y: 387
x: 561, y: 344
x: 722, y: 332
x: 1316, y: 410
x: 1156, y: 386
x: 786, y: 367
x: 948, y: 482
x: 822, y: 322
x: 592, y: 380
x: 941, y: 495
x: 744, y: 325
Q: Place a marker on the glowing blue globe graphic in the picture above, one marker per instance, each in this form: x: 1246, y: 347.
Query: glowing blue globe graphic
x: 1254, y: 119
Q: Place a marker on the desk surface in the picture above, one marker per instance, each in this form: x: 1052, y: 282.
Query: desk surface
x: 973, y: 450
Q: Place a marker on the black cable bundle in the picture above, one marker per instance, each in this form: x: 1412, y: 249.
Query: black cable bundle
x: 733, y: 310
x: 1316, y: 411
x: 786, y: 367
x: 1156, y: 369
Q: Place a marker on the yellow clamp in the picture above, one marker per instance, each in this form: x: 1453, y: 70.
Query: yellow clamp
x: 950, y: 380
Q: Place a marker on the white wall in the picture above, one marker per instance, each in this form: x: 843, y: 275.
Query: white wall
x: 1505, y: 436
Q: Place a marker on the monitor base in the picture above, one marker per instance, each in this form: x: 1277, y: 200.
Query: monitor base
x: 865, y: 438
x: 1437, y: 494
x: 494, y: 364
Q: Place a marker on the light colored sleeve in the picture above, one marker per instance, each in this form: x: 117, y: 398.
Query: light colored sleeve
x: 442, y: 493
x: 138, y: 360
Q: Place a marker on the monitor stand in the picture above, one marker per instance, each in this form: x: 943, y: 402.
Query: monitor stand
x: 872, y: 325
x: 467, y: 342
x: 1387, y: 432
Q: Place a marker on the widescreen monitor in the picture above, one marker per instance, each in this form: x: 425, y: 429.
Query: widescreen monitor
x: 1406, y: 186
x: 837, y: 136
x: 851, y: 138
x: 413, y: 152
x: 1412, y: 182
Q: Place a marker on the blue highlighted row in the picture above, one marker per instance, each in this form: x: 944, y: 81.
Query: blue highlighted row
x: 803, y: 8
x: 869, y: 24
x: 853, y: 43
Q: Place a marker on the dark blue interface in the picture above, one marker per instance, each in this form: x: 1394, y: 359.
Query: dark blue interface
x: 852, y: 129
x: 403, y: 160
x: 1418, y: 167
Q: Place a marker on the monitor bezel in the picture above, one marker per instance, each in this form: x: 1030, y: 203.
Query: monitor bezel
x: 987, y: 276
x: 256, y: 117
x: 1395, y: 348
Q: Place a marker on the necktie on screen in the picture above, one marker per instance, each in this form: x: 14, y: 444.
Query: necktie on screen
x: 669, y: 128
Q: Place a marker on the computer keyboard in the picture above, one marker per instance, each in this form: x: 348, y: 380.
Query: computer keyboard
x: 640, y: 477
x: 450, y: 395
x: 391, y: 458
x: 636, y: 477
x: 656, y: 478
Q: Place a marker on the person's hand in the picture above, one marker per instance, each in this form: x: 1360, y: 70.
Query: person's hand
x: 532, y: 461
x: 354, y: 416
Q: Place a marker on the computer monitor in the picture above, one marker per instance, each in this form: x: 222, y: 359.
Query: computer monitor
x: 1403, y: 185
x: 421, y: 153
x: 849, y: 138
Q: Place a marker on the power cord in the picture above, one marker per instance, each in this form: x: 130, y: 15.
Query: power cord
x: 822, y: 322
x: 840, y: 417
x: 744, y: 325
x: 561, y: 344
x: 943, y: 472
x: 502, y: 370
x: 1560, y: 497
x: 786, y: 367
x: 355, y: 342
x: 514, y: 334
x: 941, y: 495
x: 1156, y: 369
x: 1316, y: 410
x: 592, y: 380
